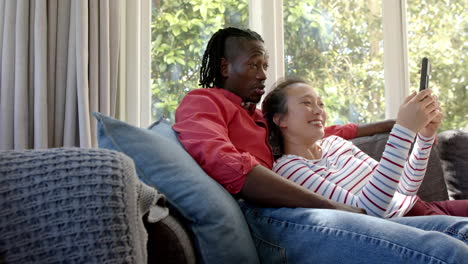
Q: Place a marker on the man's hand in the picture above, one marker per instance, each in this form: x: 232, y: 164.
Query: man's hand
x: 373, y: 128
x: 347, y: 208
x: 265, y: 188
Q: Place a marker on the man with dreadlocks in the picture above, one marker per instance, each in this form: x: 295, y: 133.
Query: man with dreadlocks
x: 225, y: 133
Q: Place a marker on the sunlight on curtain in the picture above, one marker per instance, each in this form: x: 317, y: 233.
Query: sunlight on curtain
x: 58, y: 65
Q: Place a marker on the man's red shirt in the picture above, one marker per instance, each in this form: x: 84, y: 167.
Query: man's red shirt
x: 226, y: 139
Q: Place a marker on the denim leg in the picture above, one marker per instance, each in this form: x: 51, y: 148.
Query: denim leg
x: 299, y: 235
x: 453, y: 226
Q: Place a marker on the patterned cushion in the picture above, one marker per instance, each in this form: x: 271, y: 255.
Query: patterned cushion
x: 71, y: 205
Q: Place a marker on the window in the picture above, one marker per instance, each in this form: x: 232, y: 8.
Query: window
x: 437, y: 30
x: 180, y: 30
x: 337, y: 47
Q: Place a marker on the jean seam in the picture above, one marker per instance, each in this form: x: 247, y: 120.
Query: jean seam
x: 454, y: 232
x: 358, y: 234
x: 281, y: 251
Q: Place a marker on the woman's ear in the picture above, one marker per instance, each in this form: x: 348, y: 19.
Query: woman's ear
x: 277, y: 118
x: 224, y: 67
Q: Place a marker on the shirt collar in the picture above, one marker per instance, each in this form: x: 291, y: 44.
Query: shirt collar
x: 250, y: 107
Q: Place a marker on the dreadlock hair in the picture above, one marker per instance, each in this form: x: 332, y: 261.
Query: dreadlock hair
x: 210, y: 71
x: 274, y: 103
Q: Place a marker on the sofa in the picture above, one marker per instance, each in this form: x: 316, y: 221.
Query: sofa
x: 209, y: 221
x: 194, y: 220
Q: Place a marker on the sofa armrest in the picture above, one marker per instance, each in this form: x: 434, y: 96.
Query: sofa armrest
x: 433, y: 187
x: 170, y: 241
x: 453, y: 150
x: 72, y: 205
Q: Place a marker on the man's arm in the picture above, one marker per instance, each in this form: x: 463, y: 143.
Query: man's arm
x: 374, y: 128
x: 265, y: 188
x: 352, y: 130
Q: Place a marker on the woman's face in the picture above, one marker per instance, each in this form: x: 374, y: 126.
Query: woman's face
x: 305, y: 119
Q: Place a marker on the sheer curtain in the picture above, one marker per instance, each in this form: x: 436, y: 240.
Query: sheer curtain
x: 59, y: 63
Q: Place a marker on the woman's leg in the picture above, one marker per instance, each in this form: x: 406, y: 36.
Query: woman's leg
x: 451, y: 207
x: 298, y: 235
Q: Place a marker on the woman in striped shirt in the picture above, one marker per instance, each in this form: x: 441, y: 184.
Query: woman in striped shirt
x: 338, y: 170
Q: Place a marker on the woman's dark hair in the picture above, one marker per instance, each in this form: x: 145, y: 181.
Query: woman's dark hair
x: 210, y: 71
x: 276, y: 103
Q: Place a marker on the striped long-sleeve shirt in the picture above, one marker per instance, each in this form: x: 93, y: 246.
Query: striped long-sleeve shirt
x: 346, y: 174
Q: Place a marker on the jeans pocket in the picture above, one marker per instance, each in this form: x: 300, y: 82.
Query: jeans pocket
x: 268, y: 252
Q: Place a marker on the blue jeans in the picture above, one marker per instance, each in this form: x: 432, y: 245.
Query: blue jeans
x: 299, y: 235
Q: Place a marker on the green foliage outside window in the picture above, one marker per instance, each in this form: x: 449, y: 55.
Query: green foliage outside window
x: 439, y: 30
x: 180, y: 30
x: 336, y: 45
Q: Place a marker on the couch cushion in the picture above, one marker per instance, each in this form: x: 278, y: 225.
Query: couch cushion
x: 453, y: 151
x: 433, y: 187
x: 221, y: 234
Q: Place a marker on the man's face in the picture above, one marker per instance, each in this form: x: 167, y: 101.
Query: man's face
x: 244, y: 69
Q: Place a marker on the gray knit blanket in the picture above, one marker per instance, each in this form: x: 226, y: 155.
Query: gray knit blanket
x: 72, y: 205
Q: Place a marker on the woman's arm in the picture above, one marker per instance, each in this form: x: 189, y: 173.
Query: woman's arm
x: 415, y: 167
x: 377, y: 194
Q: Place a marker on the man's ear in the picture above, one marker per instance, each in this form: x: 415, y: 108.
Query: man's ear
x: 224, y: 67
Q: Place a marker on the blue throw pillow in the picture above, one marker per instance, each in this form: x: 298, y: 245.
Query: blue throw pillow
x: 221, y: 234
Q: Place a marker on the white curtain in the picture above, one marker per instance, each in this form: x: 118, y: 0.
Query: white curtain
x: 59, y: 62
